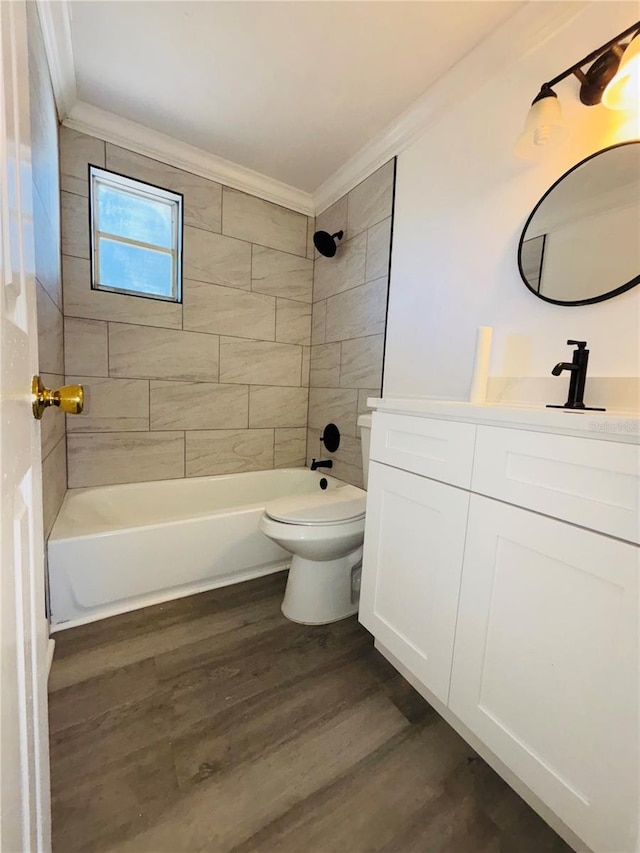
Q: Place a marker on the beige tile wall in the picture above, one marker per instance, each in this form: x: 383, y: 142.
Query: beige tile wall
x: 349, y: 318
x: 46, y: 220
x: 216, y: 385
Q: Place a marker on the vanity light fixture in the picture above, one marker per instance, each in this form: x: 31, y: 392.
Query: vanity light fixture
x: 543, y: 126
x: 612, y: 79
x: 623, y: 91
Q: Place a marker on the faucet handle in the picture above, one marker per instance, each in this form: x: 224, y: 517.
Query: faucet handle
x: 579, y: 344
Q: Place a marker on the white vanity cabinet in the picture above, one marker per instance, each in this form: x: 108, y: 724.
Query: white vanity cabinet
x: 414, y: 543
x: 545, y: 667
x: 522, y: 625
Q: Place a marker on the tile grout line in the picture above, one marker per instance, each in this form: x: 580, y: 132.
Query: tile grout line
x: 275, y: 323
x: 313, y: 285
x: 187, y: 331
x: 252, y: 242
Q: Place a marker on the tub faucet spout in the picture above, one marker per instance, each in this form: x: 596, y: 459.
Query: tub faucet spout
x: 326, y: 463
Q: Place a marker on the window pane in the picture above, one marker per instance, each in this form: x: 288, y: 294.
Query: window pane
x: 136, y: 218
x: 134, y: 268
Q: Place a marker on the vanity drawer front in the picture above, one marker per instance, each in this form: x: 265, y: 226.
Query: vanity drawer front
x: 585, y: 481
x: 441, y: 450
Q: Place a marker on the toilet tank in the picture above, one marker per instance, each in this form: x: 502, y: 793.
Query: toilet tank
x: 364, y: 422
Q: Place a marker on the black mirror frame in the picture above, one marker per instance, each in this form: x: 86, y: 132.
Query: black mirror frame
x: 618, y: 290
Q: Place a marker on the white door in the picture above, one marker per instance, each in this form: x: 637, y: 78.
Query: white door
x: 545, y: 668
x: 24, y: 756
x: 413, y: 548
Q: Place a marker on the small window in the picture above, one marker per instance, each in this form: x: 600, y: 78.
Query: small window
x: 136, y: 237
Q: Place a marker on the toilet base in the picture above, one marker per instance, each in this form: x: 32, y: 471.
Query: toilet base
x: 319, y: 592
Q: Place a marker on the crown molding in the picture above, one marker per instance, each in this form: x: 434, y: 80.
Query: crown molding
x: 525, y: 30
x: 55, y: 24
x: 142, y: 140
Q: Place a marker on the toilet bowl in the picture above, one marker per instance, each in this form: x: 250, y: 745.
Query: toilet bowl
x: 324, y: 532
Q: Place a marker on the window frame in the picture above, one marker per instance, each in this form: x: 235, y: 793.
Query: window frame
x: 146, y: 190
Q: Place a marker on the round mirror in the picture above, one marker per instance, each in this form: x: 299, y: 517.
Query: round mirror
x: 581, y: 243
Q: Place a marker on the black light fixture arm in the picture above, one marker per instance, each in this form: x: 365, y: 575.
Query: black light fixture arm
x: 577, y: 67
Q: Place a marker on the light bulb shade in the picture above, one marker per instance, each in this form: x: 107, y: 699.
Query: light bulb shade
x: 623, y: 91
x: 543, y: 130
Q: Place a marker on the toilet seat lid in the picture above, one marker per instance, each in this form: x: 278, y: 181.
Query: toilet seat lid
x: 344, y: 503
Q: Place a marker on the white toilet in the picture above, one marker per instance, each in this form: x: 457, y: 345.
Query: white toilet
x: 324, y: 531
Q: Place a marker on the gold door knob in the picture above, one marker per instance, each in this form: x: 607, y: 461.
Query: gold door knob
x: 69, y: 398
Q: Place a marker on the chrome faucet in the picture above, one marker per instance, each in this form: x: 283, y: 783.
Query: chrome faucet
x: 578, y: 370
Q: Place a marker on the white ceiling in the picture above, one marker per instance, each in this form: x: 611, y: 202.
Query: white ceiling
x: 289, y: 89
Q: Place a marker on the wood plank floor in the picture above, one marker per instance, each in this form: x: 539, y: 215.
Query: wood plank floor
x: 212, y: 723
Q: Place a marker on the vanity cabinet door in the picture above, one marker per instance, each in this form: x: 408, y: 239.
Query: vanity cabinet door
x: 413, y: 547
x: 545, y: 668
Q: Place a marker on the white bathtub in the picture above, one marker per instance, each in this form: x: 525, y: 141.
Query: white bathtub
x: 118, y: 548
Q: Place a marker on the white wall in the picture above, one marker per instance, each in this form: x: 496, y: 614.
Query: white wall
x: 461, y: 201
x: 597, y: 267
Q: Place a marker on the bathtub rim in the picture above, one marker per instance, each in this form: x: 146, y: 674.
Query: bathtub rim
x: 85, y: 490
x: 114, y: 531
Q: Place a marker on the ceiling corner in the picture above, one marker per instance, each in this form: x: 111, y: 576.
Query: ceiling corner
x: 55, y: 22
x: 523, y: 31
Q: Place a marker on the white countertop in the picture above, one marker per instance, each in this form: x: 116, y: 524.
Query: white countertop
x: 611, y: 425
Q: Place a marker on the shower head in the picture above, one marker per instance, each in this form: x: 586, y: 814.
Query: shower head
x: 325, y: 243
